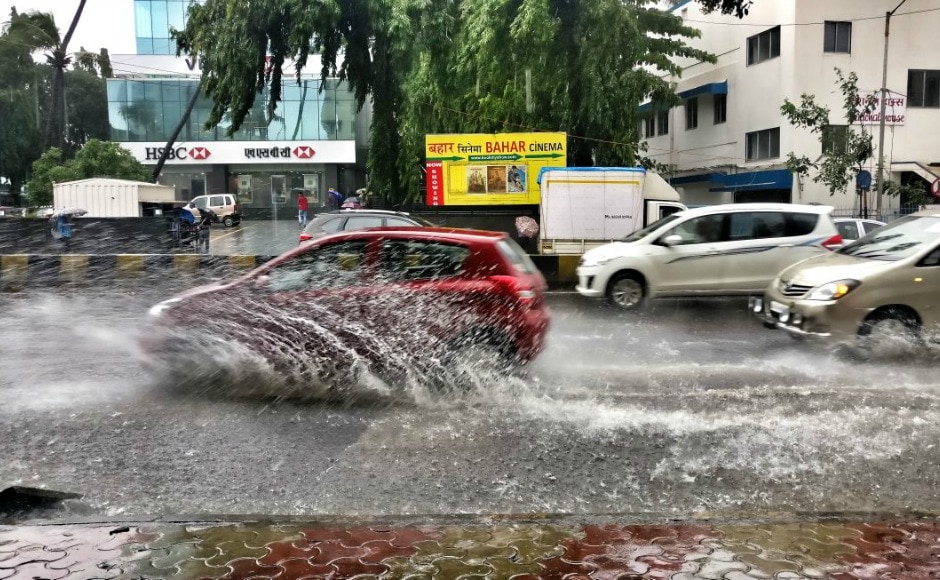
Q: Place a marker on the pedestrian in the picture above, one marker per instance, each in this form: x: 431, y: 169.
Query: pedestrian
x: 334, y: 199
x: 203, y: 225
x: 302, y: 206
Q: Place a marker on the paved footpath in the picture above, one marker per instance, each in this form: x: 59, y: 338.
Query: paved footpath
x: 473, y: 549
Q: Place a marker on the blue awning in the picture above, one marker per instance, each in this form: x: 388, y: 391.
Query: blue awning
x: 706, y: 89
x: 750, y: 181
x: 720, y: 88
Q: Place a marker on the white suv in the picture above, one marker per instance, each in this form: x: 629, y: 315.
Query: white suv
x: 709, y: 251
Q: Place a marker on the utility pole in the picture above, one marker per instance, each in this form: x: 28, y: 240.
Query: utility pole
x: 879, y: 175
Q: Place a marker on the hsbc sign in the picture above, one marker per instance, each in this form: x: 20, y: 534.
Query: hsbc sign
x: 246, y: 152
x: 176, y: 153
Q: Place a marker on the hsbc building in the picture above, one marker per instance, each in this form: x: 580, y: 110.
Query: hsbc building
x: 317, y: 138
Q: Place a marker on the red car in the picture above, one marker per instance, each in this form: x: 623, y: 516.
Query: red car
x: 398, y: 304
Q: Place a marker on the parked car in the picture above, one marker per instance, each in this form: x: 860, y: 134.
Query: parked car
x: 709, y: 251
x: 396, y: 303
x: 345, y: 220
x: 224, y: 205
x: 852, y: 229
x: 888, y: 282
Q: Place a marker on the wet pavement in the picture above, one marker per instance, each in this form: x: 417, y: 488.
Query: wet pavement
x: 255, y: 237
x: 474, y: 549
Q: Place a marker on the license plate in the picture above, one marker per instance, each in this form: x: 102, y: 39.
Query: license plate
x: 778, y: 308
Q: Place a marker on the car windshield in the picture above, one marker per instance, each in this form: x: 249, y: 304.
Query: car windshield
x: 642, y: 233
x: 898, y: 240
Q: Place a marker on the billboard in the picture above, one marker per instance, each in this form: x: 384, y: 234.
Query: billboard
x: 490, y: 169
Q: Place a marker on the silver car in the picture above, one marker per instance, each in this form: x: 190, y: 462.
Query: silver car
x: 886, y: 283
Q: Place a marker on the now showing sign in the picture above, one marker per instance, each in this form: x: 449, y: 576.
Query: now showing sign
x: 895, y: 110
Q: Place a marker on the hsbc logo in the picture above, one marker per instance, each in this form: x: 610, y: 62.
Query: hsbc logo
x: 176, y: 153
x: 199, y: 153
x: 303, y: 152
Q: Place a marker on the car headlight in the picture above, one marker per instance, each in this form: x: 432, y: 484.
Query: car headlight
x: 833, y: 290
x: 161, y: 307
x: 596, y: 261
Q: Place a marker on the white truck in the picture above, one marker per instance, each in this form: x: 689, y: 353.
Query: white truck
x: 103, y: 197
x: 585, y: 207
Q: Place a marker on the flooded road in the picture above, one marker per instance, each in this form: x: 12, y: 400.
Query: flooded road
x: 689, y: 410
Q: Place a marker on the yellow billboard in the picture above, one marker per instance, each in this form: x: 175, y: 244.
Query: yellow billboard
x: 490, y: 169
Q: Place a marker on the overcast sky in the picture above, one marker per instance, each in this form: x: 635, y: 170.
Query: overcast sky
x: 104, y: 23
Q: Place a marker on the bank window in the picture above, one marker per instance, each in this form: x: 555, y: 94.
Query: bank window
x: 763, y: 46
x: 838, y: 37
x: 835, y: 139
x: 662, y: 123
x: 763, y: 144
x: 721, y: 108
x: 923, y: 88
x: 691, y: 113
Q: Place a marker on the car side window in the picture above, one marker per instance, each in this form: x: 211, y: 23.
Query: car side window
x: 331, y: 266
x: 398, y: 222
x: 362, y: 222
x: 756, y: 225
x: 801, y: 224
x: 848, y: 230
x: 931, y: 259
x: 332, y: 226
x: 216, y: 200
x: 402, y: 260
x: 869, y: 227
x: 704, y: 229
x: 201, y: 202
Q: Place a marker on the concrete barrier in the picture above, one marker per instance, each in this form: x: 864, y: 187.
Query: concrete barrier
x: 19, y: 271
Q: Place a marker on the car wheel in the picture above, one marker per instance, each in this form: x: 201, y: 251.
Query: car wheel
x: 474, y: 364
x: 228, y: 221
x: 626, y: 291
x: 889, y: 331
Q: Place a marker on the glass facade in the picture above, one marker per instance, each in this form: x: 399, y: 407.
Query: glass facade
x: 153, y: 20
x: 150, y: 109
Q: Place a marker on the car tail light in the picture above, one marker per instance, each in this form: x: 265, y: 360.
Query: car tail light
x: 523, y: 292
x: 833, y: 243
x: 305, y: 237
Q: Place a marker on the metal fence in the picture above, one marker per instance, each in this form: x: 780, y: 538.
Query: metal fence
x: 887, y: 214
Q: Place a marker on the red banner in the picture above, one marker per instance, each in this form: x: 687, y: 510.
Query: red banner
x: 435, y: 182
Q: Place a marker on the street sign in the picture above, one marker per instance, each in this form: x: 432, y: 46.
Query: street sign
x: 863, y: 180
x: 935, y: 188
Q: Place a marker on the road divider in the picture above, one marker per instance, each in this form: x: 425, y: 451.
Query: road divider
x: 21, y: 271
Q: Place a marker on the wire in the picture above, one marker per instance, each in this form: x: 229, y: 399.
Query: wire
x: 787, y: 25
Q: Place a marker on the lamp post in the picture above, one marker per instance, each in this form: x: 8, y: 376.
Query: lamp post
x: 879, y: 175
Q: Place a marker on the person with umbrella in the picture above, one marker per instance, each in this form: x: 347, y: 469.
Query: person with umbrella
x: 203, y: 225
x: 61, y: 221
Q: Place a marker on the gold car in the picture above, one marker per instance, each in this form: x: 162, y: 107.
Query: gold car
x: 886, y: 283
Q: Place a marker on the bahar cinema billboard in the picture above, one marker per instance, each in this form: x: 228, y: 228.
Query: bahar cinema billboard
x: 483, y: 169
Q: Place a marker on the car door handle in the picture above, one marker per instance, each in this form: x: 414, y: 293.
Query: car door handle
x: 786, y: 245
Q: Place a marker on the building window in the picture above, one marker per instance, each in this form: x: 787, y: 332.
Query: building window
x: 662, y: 122
x: 649, y: 127
x: 691, y: 113
x: 763, y: 144
x: 923, y: 88
x: 838, y: 37
x: 835, y: 139
x: 721, y: 108
x: 763, y: 46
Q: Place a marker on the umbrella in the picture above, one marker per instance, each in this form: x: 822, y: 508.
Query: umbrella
x: 527, y: 227
x: 69, y: 211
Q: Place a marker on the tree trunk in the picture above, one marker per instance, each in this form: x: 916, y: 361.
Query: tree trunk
x: 54, y: 134
x: 176, y: 132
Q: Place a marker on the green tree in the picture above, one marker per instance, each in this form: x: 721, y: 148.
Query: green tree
x: 737, y: 7
x: 843, y: 155
x: 38, y: 32
x: 95, y: 159
x: 445, y: 66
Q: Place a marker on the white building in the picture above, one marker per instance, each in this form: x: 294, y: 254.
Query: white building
x: 728, y: 141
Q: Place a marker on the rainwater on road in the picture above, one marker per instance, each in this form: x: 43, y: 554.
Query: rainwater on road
x: 691, y: 409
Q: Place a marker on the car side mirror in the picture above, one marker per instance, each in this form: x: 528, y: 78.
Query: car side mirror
x: 672, y: 240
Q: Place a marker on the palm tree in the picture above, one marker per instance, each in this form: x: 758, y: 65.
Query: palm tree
x: 38, y: 31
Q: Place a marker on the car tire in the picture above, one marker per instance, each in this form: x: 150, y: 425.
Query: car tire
x: 228, y: 221
x: 626, y: 291
x: 474, y: 362
x: 888, y: 331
